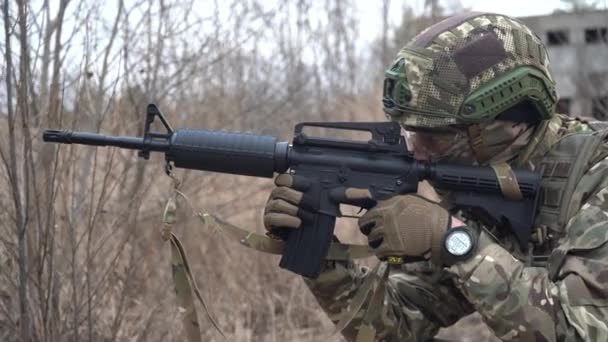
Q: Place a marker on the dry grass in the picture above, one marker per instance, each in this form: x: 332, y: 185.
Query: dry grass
x: 111, y: 274
x: 81, y: 258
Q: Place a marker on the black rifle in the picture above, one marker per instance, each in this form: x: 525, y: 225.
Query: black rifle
x: 383, y: 165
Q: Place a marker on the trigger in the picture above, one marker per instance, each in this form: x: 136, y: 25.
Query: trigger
x: 357, y: 216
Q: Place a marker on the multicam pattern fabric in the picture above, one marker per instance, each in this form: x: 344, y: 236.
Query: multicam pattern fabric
x: 566, y: 299
x: 440, y: 146
x: 502, y: 141
x: 450, y: 60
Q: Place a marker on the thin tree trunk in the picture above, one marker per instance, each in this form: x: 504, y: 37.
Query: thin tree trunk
x: 21, y: 207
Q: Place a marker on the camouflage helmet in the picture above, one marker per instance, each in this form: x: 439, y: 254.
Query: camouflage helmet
x: 468, y: 69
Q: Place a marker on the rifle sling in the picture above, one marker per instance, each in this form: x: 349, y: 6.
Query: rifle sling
x: 185, y: 283
x: 183, y: 280
x: 507, y: 181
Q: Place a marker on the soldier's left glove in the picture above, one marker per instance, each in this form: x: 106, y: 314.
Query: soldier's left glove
x: 407, y: 225
x: 284, y: 208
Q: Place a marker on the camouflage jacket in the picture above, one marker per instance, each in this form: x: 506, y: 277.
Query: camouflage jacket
x: 564, y: 299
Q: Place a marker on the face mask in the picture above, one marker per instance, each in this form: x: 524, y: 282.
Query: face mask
x: 440, y: 146
x: 501, y: 141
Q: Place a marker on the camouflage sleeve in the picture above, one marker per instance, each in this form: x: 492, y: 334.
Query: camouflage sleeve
x: 413, y: 309
x: 567, y: 301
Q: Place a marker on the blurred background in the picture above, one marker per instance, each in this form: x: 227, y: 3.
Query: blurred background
x: 81, y: 258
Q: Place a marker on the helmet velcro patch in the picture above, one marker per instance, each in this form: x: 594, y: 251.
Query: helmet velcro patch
x: 479, y: 54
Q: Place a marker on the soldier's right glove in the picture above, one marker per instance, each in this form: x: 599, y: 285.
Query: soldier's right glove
x: 284, y: 209
x: 406, y: 225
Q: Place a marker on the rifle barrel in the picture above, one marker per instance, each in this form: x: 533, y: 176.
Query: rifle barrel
x: 85, y: 138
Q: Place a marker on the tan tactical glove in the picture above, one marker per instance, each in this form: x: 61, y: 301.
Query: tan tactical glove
x: 283, y: 209
x: 288, y: 206
x: 407, y: 225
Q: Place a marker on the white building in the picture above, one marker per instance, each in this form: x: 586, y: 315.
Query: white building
x: 578, y: 51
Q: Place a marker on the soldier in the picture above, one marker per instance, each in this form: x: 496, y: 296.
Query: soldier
x: 476, y: 88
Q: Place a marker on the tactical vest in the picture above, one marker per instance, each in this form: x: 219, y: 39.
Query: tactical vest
x: 562, y: 168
